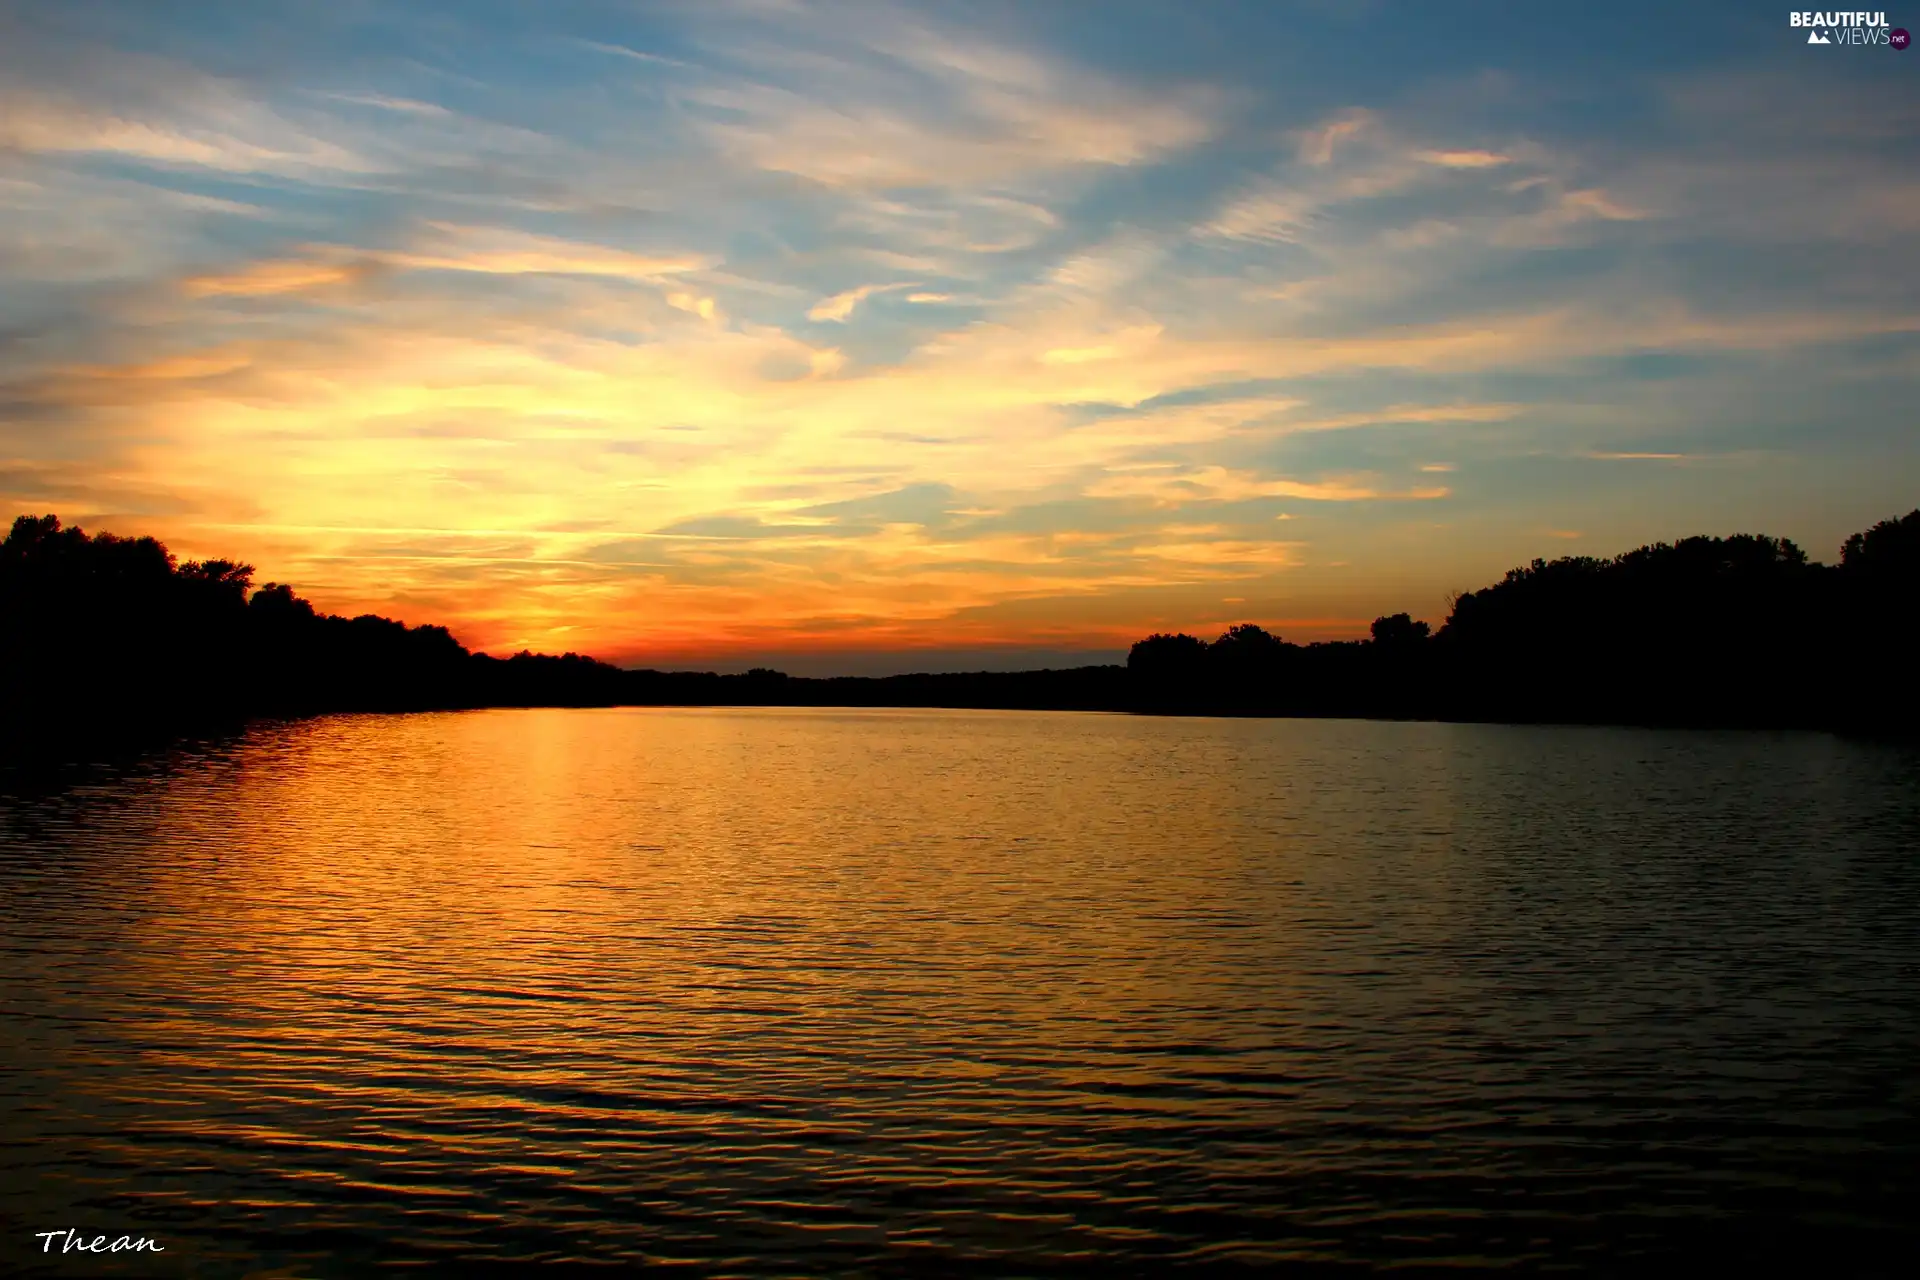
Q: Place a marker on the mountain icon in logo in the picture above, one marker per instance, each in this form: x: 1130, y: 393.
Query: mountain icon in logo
x: 1814, y: 37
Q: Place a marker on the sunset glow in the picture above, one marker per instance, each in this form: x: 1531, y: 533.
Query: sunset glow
x: 824, y: 334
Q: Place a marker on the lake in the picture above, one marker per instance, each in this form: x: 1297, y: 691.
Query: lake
x: 830, y: 992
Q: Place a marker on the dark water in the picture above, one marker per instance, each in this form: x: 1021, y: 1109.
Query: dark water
x: 837, y: 993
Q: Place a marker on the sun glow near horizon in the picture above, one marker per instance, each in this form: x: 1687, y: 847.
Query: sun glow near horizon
x: 837, y: 330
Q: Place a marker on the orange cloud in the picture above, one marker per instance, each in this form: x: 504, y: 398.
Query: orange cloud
x: 262, y: 279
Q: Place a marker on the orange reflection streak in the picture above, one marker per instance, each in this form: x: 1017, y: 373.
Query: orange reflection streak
x: 582, y: 921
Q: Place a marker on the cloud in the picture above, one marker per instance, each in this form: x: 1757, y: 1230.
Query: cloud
x: 1408, y: 414
x: 841, y: 305
x: 1641, y: 457
x: 408, y: 106
x: 913, y: 106
x: 1218, y: 484
x: 265, y: 278
x: 705, y: 308
x: 1271, y: 212
x: 211, y: 129
x: 444, y: 247
x: 1464, y: 159
x: 1356, y: 165
x: 505, y: 251
x: 1318, y: 144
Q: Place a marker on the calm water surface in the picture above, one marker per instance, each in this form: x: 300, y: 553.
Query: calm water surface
x: 877, y: 992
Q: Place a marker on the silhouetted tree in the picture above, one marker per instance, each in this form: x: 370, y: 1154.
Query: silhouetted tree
x: 1162, y: 656
x: 1891, y: 550
x: 1700, y: 629
x: 1399, y: 630
x: 1246, y: 644
x: 276, y: 603
x: 1245, y: 664
x: 100, y: 628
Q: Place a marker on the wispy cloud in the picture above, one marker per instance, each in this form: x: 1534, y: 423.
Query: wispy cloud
x: 911, y: 105
x: 271, y: 277
x: 840, y: 306
x: 503, y: 251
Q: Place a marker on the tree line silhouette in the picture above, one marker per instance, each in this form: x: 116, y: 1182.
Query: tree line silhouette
x: 99, y: 631
x: 1743, y: 630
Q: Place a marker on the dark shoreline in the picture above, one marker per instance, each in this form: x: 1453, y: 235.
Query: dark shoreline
x: 104, y: 638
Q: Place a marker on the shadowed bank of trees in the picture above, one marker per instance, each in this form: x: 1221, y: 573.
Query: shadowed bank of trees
x: 1725, y: 631
x: 101, y: 632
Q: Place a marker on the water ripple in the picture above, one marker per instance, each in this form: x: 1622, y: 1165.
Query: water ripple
x: 844, y: 993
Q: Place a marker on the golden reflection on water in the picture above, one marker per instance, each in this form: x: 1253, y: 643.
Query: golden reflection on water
x: 833, y: 990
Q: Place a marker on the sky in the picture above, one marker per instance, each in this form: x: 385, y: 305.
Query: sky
x: 878, y: 337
